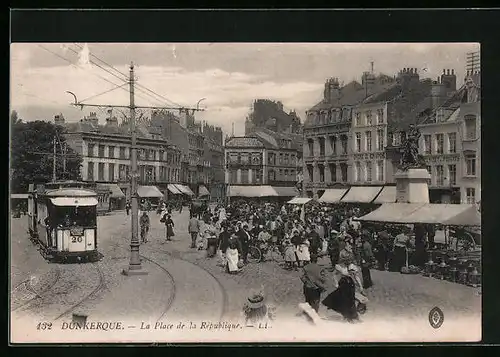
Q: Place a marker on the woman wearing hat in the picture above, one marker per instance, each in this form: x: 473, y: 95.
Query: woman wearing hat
x: 232, y: 256
x: 256, y: 310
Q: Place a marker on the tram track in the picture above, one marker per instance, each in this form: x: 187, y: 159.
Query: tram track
x: 223, y: 291
x: 38, y: 294
x: 87, y: 297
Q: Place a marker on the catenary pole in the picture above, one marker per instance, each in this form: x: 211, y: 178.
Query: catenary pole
x: 54, y: 177
x: 134, y: 267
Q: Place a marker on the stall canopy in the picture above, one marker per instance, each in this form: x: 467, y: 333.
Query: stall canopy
x: 285, y: 191
x: 252, y: 191
x: 361, y: 194
x: 391, y: 212
x: 469, y: 217
x: 174, y: 190
x: 299, y: 200
x: 116, y: 191
x: 184, y: 189
x: 437, y: 213
x: 403, y: 213
x: 74, y: 201
x: 203, y: 191
x: 387, y: 195
x: 333, y: 195
x: 149, y: 192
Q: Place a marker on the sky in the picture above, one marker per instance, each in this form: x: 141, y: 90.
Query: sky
x: 230, y: 76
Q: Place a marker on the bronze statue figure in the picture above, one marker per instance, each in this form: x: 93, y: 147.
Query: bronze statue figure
x: 410, y: 157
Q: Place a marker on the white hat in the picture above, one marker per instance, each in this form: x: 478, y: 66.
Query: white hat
x: 352, y: 267
x: 334, y: 231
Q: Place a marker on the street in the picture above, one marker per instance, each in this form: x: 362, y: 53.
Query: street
x: 182, y: 284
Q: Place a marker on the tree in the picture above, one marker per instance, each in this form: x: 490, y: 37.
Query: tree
x: 31, y: 157
x: 14, y: 118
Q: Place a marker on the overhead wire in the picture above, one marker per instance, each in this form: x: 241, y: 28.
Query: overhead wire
x: 139, y: 86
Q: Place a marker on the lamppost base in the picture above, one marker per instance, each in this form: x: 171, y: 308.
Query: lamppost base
x: 134, y: 270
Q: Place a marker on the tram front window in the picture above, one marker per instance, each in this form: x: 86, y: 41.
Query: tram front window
x: 70, y: 216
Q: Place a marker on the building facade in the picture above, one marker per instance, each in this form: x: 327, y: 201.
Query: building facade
x: 264, y: 158
x: 450, y: 143
x: 328, y: 136
x: 106, y: 150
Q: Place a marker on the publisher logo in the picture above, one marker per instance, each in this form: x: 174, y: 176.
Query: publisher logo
x: 436, y: 317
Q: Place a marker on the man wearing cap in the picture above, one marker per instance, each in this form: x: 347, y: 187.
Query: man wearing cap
x: 244, y: 238
x: 334, y: 248
x: 313, y: 278
x: 194, y: 229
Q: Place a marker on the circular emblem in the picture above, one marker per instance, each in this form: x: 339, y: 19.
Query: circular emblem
x: 436, y: 317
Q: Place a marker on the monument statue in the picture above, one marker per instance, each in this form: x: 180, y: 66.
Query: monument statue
x: 410, y: 157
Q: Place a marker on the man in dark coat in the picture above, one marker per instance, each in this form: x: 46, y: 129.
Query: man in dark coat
x: 367, y: 259
x: 313, y: 278
x: 334, y: 248
x: 314, y: 241
x: 244, y: 237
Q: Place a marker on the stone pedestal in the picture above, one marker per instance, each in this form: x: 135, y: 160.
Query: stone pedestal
x: 412, y: 186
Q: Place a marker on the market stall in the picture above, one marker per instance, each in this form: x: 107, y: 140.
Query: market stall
x: 446, y: 261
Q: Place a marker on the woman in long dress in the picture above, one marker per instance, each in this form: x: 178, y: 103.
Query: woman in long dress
x: 169, y: 224
x: 342, y: 300
x: 290, y: 257
x: 232, y: 256
x: 303, y: 255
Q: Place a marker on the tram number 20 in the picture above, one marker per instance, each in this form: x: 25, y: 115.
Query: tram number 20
x: 78, y: 239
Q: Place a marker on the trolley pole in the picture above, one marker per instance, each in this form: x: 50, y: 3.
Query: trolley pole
x: 134, y: 267
x: 54, y: 177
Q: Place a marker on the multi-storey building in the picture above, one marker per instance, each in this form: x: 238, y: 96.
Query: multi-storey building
x: 417, y: 98
x: 201, y: 151
x: 327, y: 138
x: 268, y: 114
x: 105, y: 150
x: 263, y: 163
x: 381, y: 118
x: 450, y: 143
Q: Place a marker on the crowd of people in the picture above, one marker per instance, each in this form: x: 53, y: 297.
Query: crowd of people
x: 304, y: 233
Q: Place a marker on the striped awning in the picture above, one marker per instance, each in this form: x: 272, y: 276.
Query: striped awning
x: 173, y: 189
x: 149, y: 192
x: 116, y: 191
x: 203, y: 191
x: 184, y: 189
x: 333, y: 195
x: 361, y: 194
x: 387, y: 195
x: 285, y: 191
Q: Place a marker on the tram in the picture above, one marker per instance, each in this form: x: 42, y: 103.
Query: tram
x: 63, y: 220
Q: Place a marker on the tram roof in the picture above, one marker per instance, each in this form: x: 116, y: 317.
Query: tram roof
x: 70, y: 192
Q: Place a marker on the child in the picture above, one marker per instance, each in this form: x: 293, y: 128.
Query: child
x: 290, y: 257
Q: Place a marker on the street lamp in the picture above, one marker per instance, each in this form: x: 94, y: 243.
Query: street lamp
x: 198, y: 103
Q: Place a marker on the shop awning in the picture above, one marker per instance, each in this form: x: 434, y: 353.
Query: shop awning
x: 184, y: 189
x: 251, y: 191
x: 173, y: 189
x: 410, y: 213
x: 299, y: 200
x: 469, y: 217
x: 116, y: 191
x: 203, y: 191
x: 332, y: 195
x: 387, y: 195
x: 391, y: 212
x: 286, y: 191
x: 361, y: 194
x: 436, y: 213
x: 74, y: 201
x: 19, y: 195
x: 149, y: 192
